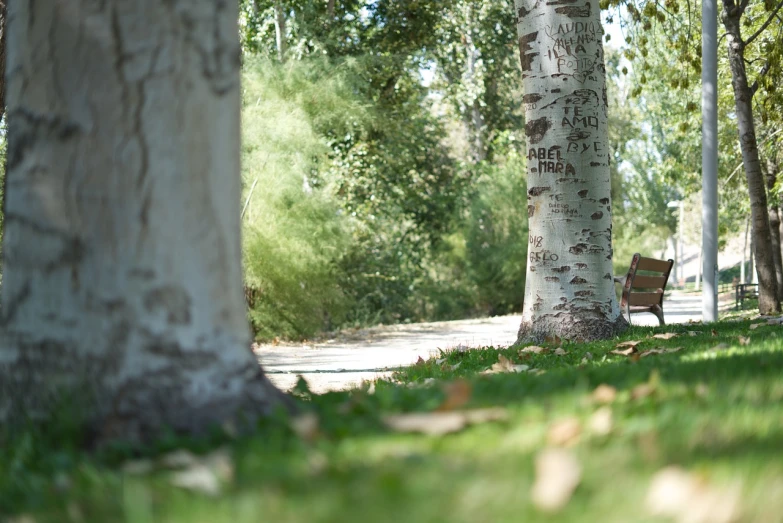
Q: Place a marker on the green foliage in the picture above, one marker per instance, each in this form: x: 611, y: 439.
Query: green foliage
x: 359, y: 214
x: 496, y: 234
x: 293, y: 230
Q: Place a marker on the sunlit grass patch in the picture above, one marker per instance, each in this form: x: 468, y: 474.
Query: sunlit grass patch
x: 713, y: 409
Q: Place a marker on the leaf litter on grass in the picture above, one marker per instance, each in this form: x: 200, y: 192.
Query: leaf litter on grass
x: 558, y: 473
x: 681, y: 495
x: 441, y: 423
x: 505, y: 365
x: 604, y: 393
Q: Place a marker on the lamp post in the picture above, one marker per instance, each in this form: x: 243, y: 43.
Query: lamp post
x: 680, y: 273
x: 709, y: 158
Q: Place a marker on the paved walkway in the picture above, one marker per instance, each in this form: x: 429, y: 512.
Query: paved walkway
x: 368, y: 354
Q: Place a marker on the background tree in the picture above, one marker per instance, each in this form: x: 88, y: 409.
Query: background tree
x: 122, y: 275
x: 769, y: 300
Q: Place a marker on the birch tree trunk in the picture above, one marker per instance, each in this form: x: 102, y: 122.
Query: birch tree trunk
x: 280, y: 31
x: 743, y: 97
x: 569, y: 289
x: 122, y: 283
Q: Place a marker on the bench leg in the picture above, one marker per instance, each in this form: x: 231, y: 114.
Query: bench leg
x: 658, y: 311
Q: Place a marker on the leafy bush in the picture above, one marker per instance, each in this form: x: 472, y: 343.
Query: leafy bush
x: 293, y: 228
x: 481, y: 267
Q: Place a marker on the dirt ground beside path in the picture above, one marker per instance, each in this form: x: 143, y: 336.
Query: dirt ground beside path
x: 367, y: 354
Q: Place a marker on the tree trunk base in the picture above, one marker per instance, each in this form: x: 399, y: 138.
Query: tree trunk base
x: 570, y: 328
x: 47, y: 385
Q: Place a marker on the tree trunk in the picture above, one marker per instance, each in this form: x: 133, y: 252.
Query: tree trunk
x: 774, y: 229
x: 474, y: 121
x: 743, y: 96
x: 569, y: 289
x: 280, y: 31
x: 330, y: 10
x: 3, y: 11
x: 122, y: 284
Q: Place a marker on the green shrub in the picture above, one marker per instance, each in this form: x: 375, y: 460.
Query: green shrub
x: 293, y: 229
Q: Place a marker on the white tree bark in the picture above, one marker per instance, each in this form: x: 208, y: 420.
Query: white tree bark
x: 122, y: 280
x: 569, y: 289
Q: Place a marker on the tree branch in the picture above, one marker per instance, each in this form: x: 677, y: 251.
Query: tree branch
x: 765, y: 24
x: 755, y: 86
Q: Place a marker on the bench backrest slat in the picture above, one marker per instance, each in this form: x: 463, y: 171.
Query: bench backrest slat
x: 649, y: 282
x: 645, y: 298
x: 651, y: 264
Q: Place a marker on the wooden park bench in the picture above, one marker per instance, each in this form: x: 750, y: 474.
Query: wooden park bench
x: 745, y: 291
x: 644, y: 285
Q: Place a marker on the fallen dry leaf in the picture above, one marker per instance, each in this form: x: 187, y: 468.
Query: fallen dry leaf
x: 558, y: 473
x: 504, y: 365
x: 534, y: 349
x: 221, y: 464
x: 694, y: 333
x: 714, y: 332
x: 564, y: 432
x: 420, y: 361
x: 206, y: 474
x: 642, y: 391
x: 178, y: 459
x: 624, y: 352
x: 665, y: 336
x: 450, y: 368
x: 659, y: 351
x: 198, y: 478
x: 440, y: 361
x: 744, y: 340
x: 627, y: 344
x: 754, y: 326
x: 678, y: 494
x: 601, y: 422
x: 604, y: 394
x: 559, y: 352
x: 306, y: 426
x: 647, y: 389
x: 440, y: 423
x: 458, y: 393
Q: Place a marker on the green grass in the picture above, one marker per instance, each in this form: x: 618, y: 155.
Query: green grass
x: 716, y: 413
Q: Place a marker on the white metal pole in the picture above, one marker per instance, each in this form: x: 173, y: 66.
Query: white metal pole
x: 709, y: 158
x: 680, y: 256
